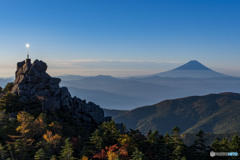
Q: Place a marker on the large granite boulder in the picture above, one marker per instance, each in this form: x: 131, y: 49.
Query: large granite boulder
x: 32, y: 82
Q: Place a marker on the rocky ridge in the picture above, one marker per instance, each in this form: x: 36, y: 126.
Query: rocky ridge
x: 32, y: 82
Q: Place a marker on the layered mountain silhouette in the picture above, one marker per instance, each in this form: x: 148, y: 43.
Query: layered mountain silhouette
x: 215, y: 113
x: 192, y: 78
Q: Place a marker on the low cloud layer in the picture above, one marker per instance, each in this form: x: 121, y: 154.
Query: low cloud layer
x: 118, y: 68
x: 109, y: 67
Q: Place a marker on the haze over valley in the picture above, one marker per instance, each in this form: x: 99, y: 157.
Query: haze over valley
x: 192, y: 78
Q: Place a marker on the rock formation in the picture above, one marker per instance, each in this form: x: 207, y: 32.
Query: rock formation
x: 32, y: 82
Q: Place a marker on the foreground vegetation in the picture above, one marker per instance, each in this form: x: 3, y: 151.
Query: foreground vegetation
x: 32, y: 134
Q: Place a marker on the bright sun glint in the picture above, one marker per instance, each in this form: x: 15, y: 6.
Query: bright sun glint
x: 27, y: 45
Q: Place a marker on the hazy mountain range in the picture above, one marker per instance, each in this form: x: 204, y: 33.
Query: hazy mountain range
x: 214, y: 113
x: 192, y: 78
x: 4, y: 81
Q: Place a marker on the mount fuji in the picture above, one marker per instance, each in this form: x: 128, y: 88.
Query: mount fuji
x: 192, y: 69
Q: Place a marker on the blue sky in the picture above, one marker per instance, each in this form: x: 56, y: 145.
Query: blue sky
x: 120, y: 37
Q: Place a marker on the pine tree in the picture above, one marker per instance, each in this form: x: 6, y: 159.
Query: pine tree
x: 67, y: 151
x: 1, y: 90
x: 155, y: 142
x: 137, y: 140
x: 178, y: 146
x: 8, y: 87
x: 168, y: 146
x: 107, y: 134
x: 199, y: 150
x: 40, y: 155
x: 235, y: 144
x: 137, y: 155
x: 178, y: 152
x: 9, y: 102
x: 3, y: 152
x: 220, y: 145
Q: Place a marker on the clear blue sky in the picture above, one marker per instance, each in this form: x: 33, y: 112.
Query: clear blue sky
x: 120, y: 37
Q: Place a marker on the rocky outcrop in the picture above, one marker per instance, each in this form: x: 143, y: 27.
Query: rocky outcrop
x: 32, y: 82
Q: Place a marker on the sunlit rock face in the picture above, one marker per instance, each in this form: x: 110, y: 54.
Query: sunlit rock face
x: 32, y: 82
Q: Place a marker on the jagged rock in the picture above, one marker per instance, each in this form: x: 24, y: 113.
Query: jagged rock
x: 65, y: 97
x: 32, y: 81
x: 51, y: 104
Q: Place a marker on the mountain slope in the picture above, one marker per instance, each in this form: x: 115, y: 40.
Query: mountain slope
x: 113, y: 112
x: 216, y: 113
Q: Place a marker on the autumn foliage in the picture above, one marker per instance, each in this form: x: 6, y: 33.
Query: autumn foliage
x: 26, y: 134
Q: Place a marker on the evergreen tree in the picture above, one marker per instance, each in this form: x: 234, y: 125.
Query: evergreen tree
x: 137, y: 140
x: 184, y: 158
x: 40, y: 155
x: 67, y: 151
x: 220, y: 145
x: 9, y: 102
x: 107, y: 134
x: 199, y: 150
x: 168, y: 146
x: 8, y: 87
x: 137, y: 155
x: 178, y: 152
x: 235, y: 144
x: 178, y: 147
x: 155, y: 142
x: 3, y: 152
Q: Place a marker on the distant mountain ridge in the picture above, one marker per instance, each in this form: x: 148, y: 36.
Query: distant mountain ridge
x: 4, y: 81
x: 192, y: 78
x: 214, y: 113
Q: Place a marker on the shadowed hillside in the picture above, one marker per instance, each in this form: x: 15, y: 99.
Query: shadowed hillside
x: 216, y: 113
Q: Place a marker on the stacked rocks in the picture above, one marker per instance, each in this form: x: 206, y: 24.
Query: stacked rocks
x: 32, y: 82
